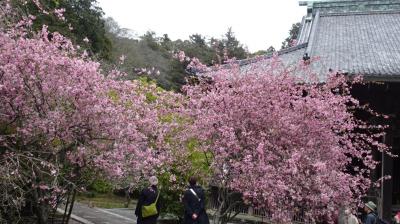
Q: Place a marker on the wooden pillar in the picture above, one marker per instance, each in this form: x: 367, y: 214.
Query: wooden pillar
x: 387, y: 186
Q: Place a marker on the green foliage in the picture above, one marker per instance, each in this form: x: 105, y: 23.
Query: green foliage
x: 84, y: 16
x: 150, y: 97
x: 171, y: 199
x: 197, y: 46
x: 101, y: 186
x: 189, y: 160
x: 147, y: 52
x: 233, y: 46
x: 269, y: 51
x: 113, y: 95
x: 7, y: 129
x: 200, y: 160
x: 88, y: 194
x: 293, y: 33
x: 107, y: 200
x: 173, y: 190
x: 167, y: 118
x: 151, y: 51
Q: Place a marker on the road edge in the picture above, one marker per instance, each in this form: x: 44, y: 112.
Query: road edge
x: 76, y: 218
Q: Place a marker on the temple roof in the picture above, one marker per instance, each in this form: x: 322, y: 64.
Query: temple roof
x: 350, y: 36
x: 366, y: 43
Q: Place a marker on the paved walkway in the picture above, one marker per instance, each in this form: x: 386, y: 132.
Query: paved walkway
x: 103, y: 216
x: 84, y: 214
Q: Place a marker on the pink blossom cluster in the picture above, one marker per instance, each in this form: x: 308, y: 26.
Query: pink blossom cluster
x: 147, y: 71
x: 180, y: 55
x: 193, y: 64
x: 287, y: 144
x: 60, y: 14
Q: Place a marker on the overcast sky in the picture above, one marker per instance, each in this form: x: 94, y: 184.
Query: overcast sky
x: 256, y: 23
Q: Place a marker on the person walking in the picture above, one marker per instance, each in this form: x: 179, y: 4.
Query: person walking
x: 346, y: 216
x: 148, y: 206
x: 349, y: 217
x: 194, y: 204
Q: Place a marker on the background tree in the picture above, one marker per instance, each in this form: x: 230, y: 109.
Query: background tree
x: 196, y: 46
x: 166, y: 42
x: 233, y: 47
x: 293, y: 34
x: 269, y: 51
x: 150, y: 51
x: 144, y: 57
x: 80, y: 19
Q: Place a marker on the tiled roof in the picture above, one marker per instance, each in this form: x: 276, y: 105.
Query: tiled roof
x: 359, y: 37
x: 346, y: 6
x: 358, y: 43
x: 351, y: 36
x: 288, y: 57
x: 306, y: 25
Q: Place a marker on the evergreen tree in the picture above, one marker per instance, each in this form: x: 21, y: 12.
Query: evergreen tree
x: 83, y: 19
x: 293, y: 33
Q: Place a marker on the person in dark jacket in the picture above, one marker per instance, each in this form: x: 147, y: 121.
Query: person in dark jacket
x: 148, y: 196
x: 194, y: 204
x: 369, y: 209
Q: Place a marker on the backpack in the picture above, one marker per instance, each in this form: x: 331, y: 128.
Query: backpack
x: 151, y: 209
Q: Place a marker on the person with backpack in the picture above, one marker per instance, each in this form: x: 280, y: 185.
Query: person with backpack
x: 194, y: 204
x: 148, y: 206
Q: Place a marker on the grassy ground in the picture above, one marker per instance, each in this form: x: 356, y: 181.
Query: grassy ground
x: 105, y: 201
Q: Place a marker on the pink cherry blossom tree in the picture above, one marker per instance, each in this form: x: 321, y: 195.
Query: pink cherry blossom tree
x: 287, y: 141
x: 62, y: 119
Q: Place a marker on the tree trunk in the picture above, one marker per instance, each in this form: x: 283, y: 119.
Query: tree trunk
x: 41, y: 209
x: 66, y: 207
x: 222, y: 200
x: 72, y: 205
x: 127, y: 197
x: 227, y: 202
